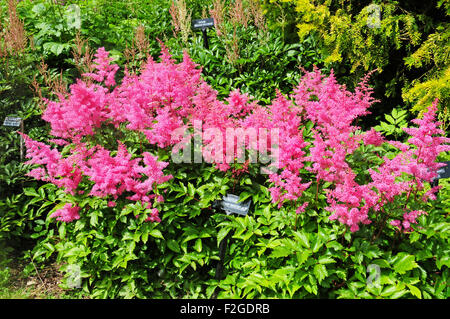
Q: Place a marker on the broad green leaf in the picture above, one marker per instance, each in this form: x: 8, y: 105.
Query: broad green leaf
x: 414, y: 237
x: 198, y: 245
x: 94, y: 219
x: 173, y: 245
x: 444, y: 260
x: 381, y: 262
x: 326, y: 260
x: 144, y: 237
x: 303, y: 238
x: 404, y: 262
x: 127, y: 236
x: 389, y: 290
x: 399, y: 294
x: 243, y: 196
x: 223, y: 232
x: 30, y: 191
x: 156, y: 233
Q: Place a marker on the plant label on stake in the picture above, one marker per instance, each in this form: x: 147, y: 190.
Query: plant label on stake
x: 16, y: 122
x: 443, y: 172
x: 203, y: 24
x: 231, y: 205
x: 12, y: 121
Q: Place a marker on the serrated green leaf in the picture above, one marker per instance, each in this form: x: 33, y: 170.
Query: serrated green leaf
x: 303, y: 238
x: 280, y: 251
x: 320, y: 271
x: 318, y: 243
x: 415, y: 291
x: 404, y: 262
x: 191, y: 190
x: 390, y: 119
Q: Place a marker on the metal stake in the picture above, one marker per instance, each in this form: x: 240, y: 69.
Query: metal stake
x: 222, y: 252
x: 205, y: 39
x: 21, y: 140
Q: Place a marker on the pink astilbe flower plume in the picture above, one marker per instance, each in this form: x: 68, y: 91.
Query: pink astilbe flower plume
x: 105, y: 70
x: 67, y: 213
x: 408, y: 220
x: 315, y: 135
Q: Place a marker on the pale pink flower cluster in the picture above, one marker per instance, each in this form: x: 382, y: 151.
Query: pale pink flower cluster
x: 333, y: 110
x: 408, y: 219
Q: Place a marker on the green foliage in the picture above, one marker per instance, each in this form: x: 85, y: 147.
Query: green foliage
x: 256, y: 62
x: 348, y: 33
x: 272, y: 252
x: 21, y: 216
x: 264, y: 64
x: 394, y: 125
x: 18, y: 69
x: 268, y: 258
x: 52, y: 26
x: 433, y: 57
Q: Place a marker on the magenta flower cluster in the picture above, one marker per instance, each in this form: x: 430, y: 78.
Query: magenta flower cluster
x: 167, y: 96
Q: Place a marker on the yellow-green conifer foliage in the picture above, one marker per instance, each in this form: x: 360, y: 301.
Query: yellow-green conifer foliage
x: 365, y: 35
x: 365, y: 38
x: 433, y: 55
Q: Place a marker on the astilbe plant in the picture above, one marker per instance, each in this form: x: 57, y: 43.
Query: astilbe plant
x: 167, y: 96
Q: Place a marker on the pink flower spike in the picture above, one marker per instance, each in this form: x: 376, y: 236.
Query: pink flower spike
x: 67, y: 213
x: 373, y: 137
x: 301, y: 208
x: 112, y: 204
